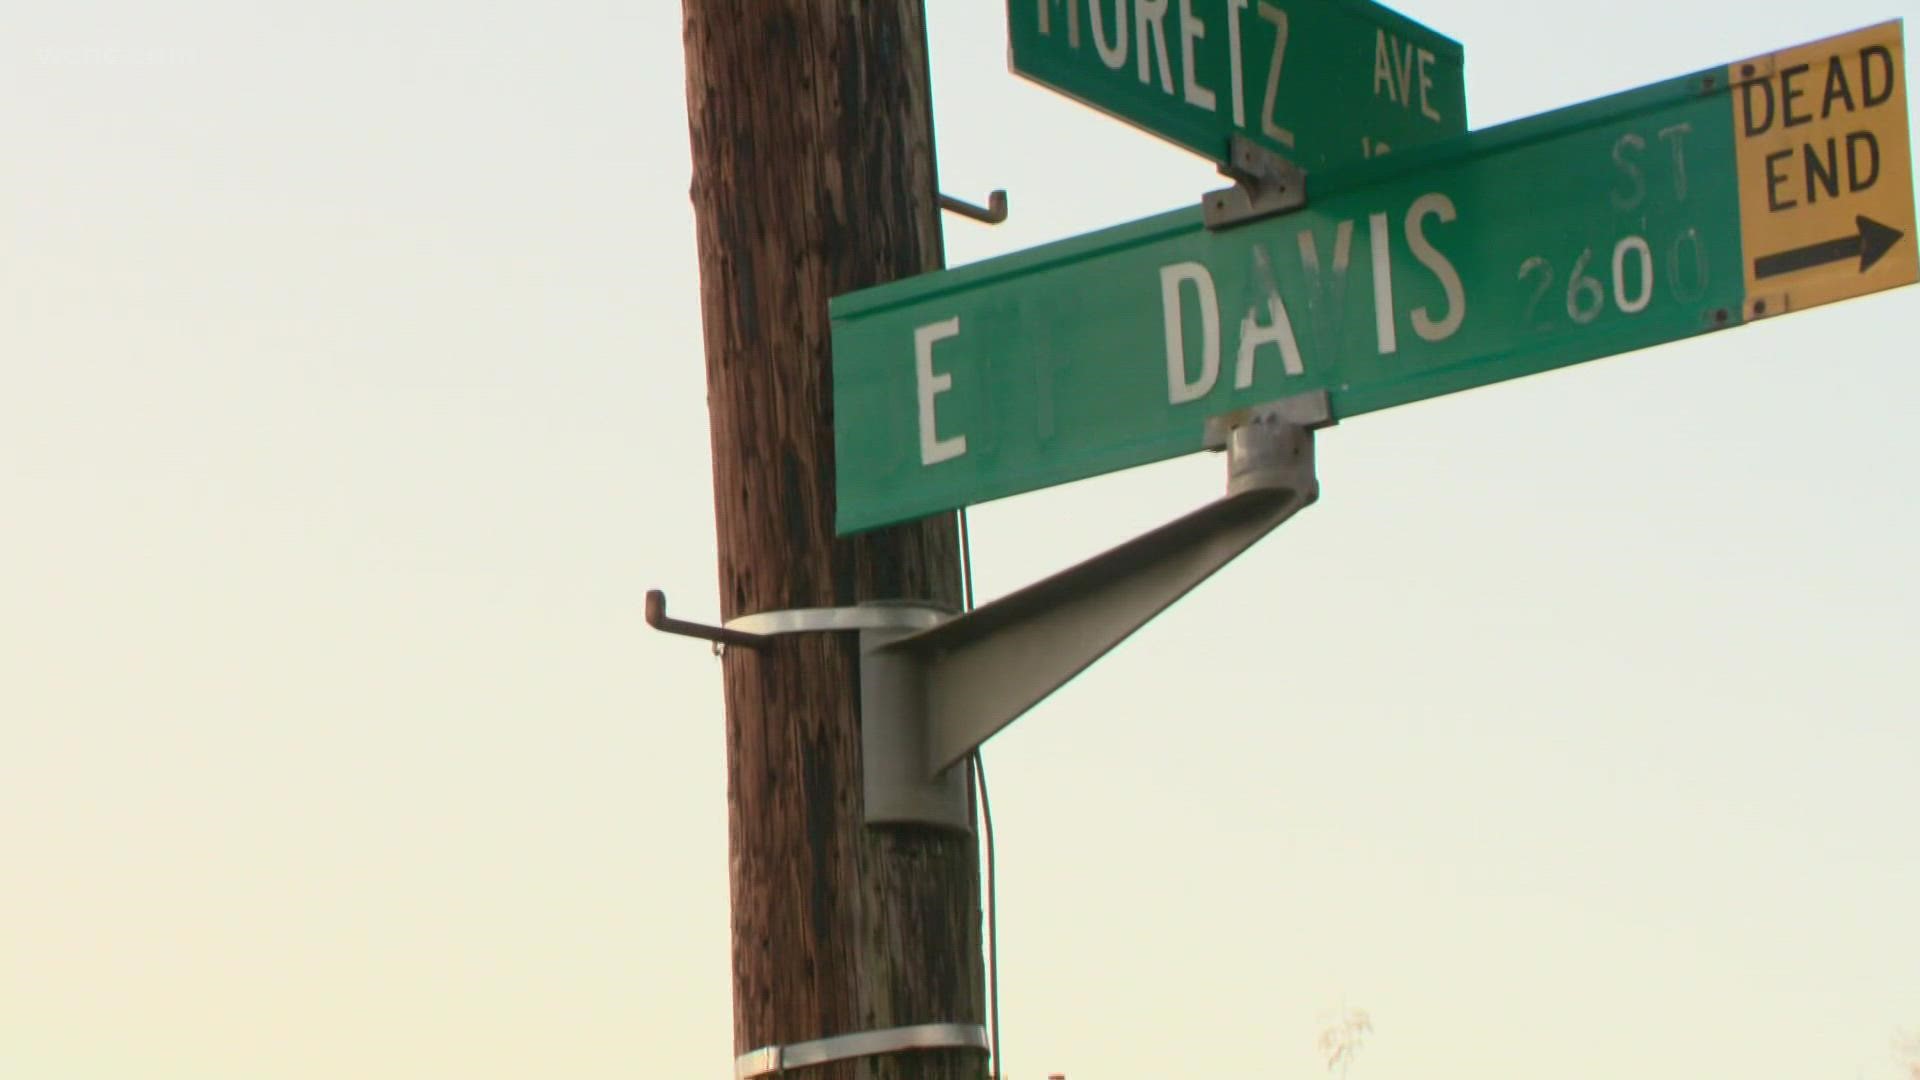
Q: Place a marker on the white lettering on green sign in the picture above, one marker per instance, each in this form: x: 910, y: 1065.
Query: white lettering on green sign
x: 1402, y: 72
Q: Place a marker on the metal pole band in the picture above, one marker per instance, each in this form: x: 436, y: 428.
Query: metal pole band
x: 772, y: 1060
x: 883, y: 615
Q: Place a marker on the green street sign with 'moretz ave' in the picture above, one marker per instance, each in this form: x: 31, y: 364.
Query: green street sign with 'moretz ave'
x: 1318, y: 82
x: 1739, y: 192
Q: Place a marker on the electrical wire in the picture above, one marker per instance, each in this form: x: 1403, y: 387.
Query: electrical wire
x: 986, y: 817
x: 993, y: 927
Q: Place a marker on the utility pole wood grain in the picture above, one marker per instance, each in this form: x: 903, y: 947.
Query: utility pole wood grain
x: 813, y: 175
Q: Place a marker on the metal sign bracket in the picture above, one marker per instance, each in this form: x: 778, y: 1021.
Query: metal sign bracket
x: 934, y: 686
x: 1265, y: 184
x: 929, y: 698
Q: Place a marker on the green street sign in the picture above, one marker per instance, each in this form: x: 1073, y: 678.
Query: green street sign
x: 1696, y: 204
x: 1318, y: 82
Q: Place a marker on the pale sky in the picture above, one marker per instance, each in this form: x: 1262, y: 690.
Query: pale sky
x: 351, y: 398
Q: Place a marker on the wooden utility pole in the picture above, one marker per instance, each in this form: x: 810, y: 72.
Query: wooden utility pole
x: 813, y: 174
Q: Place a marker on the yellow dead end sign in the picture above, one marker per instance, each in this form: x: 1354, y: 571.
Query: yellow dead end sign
x: 1825, y: 171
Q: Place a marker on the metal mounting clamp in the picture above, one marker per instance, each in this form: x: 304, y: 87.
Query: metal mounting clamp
x: 892, y: 745
x: 874, y: 615
x: 1265, y: 184
x: 754, y: 631
x: 774, y: 1060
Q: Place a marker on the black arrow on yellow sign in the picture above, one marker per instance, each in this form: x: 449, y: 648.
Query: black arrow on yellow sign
x: 1869, y: 241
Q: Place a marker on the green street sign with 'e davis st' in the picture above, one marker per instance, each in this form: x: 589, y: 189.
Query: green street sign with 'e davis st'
x: 1318, y: 82
x: 1735, y: 193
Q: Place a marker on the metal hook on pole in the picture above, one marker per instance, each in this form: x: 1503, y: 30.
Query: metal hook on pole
x: 993, y: 213
x: 658, y: 618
